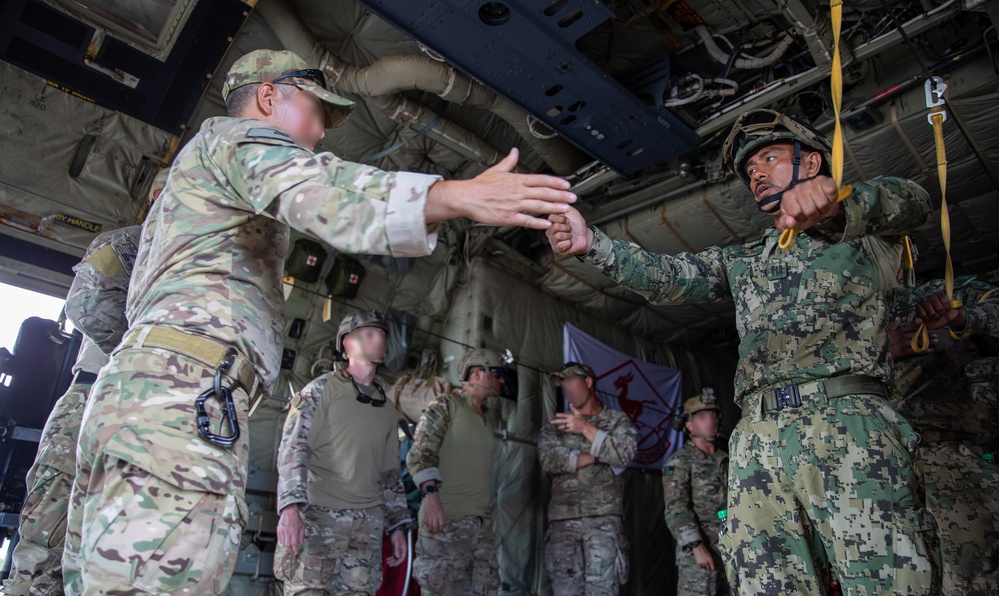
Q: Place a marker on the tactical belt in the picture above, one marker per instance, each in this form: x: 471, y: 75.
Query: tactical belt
x: 943, y: 436
x: 209, y: 352
x: 791, y: 396
x: 84, y: 378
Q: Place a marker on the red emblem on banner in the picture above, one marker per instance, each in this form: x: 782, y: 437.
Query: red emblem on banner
x: 649, y: 413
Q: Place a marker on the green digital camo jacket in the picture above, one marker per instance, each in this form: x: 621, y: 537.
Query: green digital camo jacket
x: 818, y: 310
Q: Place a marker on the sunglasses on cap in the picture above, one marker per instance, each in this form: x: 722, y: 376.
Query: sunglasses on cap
x: 309, y: 73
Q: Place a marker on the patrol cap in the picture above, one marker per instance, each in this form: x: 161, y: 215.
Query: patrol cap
x: 356, y: 320
x: 572, y: 369
x: 272, y: 66
x: 484, y: 358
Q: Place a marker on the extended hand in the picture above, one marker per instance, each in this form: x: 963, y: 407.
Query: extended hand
x: 499, y: 197
x: 568, y: 234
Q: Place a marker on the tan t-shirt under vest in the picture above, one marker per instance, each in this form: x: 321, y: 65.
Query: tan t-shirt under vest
x: 353, y: 445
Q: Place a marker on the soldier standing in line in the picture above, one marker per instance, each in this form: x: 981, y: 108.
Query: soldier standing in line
x: 339, y: 479
x: 694, y: 480
x: 585, y: 451
x: 451, y: 460
x: 95, y: 304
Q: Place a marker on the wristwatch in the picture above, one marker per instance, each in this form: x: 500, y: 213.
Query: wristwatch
x: 431, y: 489
x: 690, y: 547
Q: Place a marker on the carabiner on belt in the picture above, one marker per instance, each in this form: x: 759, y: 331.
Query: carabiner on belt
x: 224, y: 395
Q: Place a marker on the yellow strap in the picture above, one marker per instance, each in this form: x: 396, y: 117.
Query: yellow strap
x: 937, y: 118
x: 789, y: 237
x: 920, y: 341
x: 986, y: 295
x: 836, y: 88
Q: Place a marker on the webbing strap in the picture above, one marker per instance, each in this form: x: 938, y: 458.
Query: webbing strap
x: 789, y: 236
x: 921, y: 341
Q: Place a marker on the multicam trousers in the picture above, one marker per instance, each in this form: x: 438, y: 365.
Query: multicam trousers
x: 342, y: 553
x: 154, y: 508
x: 37, y: 559
x: 586, y: 555
x: 459, y: 560
x: 693, y: 581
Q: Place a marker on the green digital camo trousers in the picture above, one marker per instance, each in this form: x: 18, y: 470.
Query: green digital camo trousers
x: 153, y: 510
x: 37, y: 559
x: 962, y: 495
x: 459, y: 560
x: 586, y: 555
x: 691, y: 580
x: 830, y: 481
x: 342, y: 553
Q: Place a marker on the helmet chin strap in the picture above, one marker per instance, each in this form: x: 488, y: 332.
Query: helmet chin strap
x: 771, y: 204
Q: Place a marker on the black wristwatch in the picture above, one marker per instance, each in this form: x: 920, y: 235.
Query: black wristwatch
x: 690, y: 547
x: 431, y: 489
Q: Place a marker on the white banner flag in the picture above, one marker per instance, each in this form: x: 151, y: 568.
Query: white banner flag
x: 647, y: 393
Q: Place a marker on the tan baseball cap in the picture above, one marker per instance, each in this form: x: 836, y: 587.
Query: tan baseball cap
x: 572, y: 369
x: 270, y: 66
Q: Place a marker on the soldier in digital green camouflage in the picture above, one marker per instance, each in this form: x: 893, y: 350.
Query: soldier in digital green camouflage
x: 814, y: 360
x: 339, y: 476
x: 96, y: 306
x: 955, y: 408
x: 451, y: 461
x: 585, y: 451
x: 165, y: 434
x: 694, y: 479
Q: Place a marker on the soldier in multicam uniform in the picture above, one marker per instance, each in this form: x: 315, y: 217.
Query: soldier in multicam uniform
x: 451, y: 460
x: 37, y: 559
x: 96, y: 306
x: 814, y: 357
x: 340, y: 488
x: 694, y: 480
x: 585, y: 452
x: 942, y: 394
x: 163, y: 509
